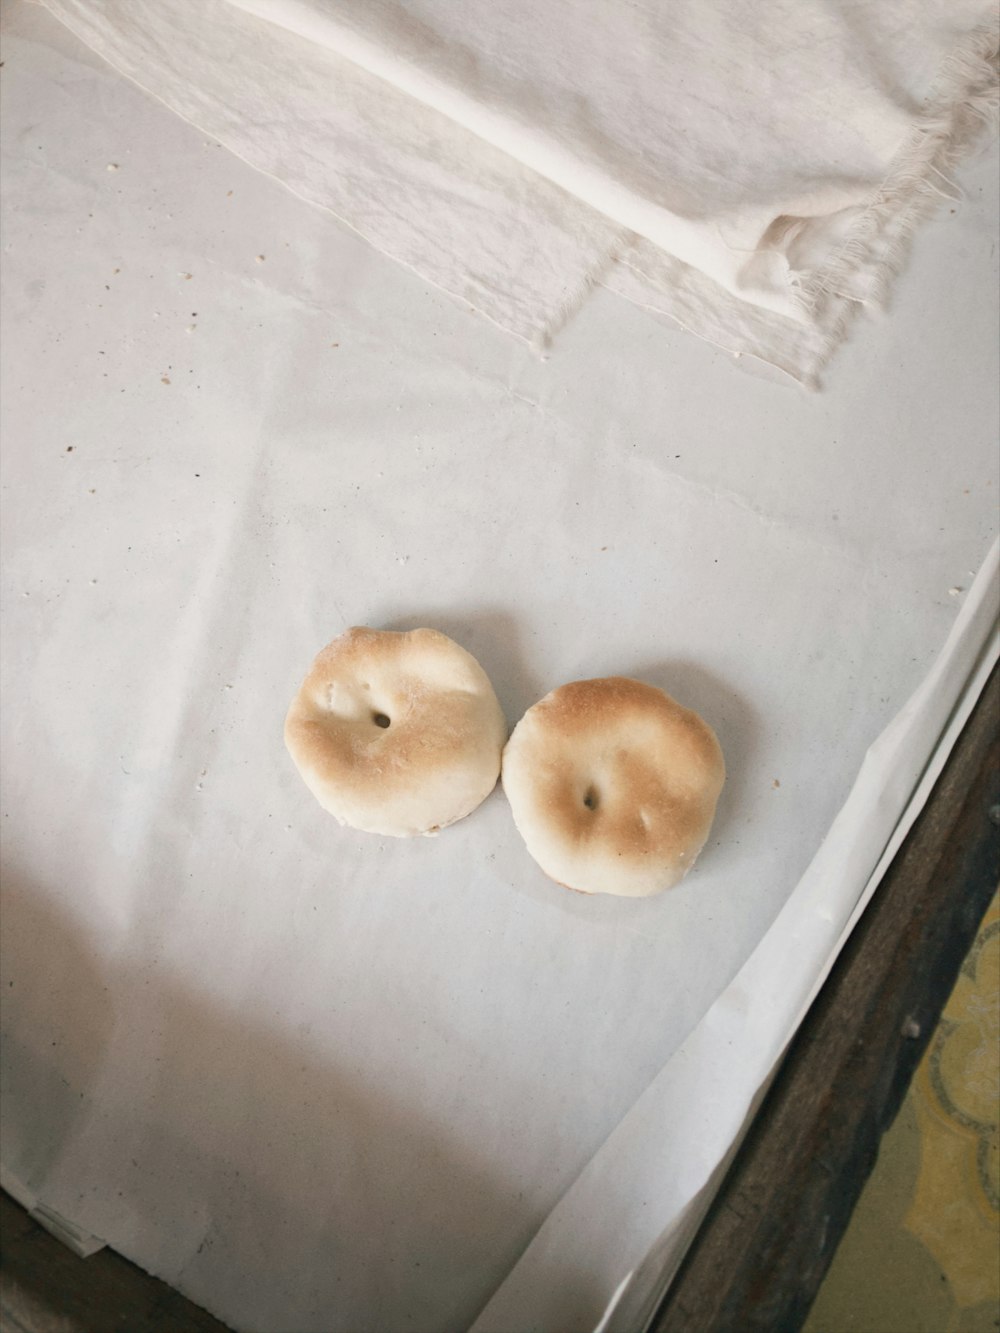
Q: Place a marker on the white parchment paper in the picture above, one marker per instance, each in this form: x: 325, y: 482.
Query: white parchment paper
x: 317, y: 1079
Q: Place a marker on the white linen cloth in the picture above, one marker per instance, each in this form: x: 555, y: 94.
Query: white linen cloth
x: 752, y: 170
x: 319, y: 1080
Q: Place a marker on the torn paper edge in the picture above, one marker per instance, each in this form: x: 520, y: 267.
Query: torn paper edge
x: 73, y: 1237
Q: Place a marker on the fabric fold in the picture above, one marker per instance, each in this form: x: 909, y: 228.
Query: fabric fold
x: 785, y: 155
x: 753, y: 173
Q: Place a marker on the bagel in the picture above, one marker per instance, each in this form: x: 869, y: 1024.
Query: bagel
x: 396, y: 733
x: 613, y: 786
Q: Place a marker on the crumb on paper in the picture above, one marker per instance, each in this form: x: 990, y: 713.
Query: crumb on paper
x: 112, y: 166
x: 70, y: 448
x: 260, y: 259
x: 954, y: 592
x: 229, y: 194
x: 604, y: 548
x: 186, y: 276
x: 776, y: 784
x: 335, y: 344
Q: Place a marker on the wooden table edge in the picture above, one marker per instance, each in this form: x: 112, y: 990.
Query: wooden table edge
x: 758, y: 1259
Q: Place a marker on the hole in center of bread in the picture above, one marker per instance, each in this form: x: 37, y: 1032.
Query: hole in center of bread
x: 380, y: 720
x: 590, y: 798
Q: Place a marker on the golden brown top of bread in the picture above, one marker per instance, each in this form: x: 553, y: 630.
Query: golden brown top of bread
x: 388, y: 724
x: 613, y: 785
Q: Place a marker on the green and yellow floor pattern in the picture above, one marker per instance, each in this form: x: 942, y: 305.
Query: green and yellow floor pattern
x: 922, y: 1251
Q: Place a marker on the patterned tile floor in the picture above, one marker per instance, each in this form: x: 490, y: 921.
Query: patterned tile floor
x: 922, y: 1252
